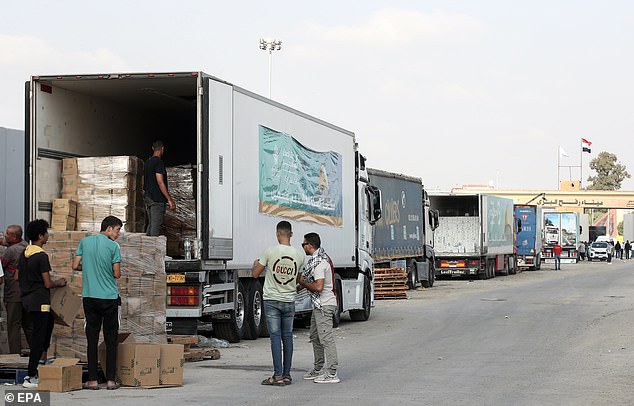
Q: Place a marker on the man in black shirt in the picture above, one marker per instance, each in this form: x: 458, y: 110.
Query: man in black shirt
x: 35, y: 288
x: 156, y: 195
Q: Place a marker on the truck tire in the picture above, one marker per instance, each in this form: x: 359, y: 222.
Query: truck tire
x: 412, y: 277
x: 431, y: 276
x: 336, y: 317
x: 255, y: 311
x: 234, y: 329
x: 363, y: 314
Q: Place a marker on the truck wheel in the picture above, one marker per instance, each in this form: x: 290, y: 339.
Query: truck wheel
x: 431, y: 276
x: 412, y: 277
x: 364, y: 314
x: 336, y: 317
x: 234, y: 329
x: 255, y: 311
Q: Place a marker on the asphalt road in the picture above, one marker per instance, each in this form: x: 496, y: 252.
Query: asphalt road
x: 536, y: 338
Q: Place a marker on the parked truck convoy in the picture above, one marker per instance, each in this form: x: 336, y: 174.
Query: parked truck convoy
x: 561, y: 228
x: 475, y: 235
x: 257, y: 162
x: 529, y: 235
x: 404, y: 234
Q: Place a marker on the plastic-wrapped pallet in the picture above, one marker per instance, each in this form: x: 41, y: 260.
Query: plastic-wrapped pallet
x: 142, y: 288
x: 105, y: 186
x: 180, y: 223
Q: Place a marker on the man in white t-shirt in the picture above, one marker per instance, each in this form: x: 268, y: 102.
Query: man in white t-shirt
x: 282, y: 264
x: 318, y: 277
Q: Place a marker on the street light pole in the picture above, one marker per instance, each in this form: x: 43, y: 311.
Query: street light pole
x: 270, y: 45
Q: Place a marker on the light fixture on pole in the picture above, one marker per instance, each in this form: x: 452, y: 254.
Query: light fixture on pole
x: 270, y: 45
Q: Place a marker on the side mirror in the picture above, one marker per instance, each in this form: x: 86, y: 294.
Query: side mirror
x: 374, y: 204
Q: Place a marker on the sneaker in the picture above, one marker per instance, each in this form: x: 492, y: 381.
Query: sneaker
x: 29, y: 382
x: 312, y: 374
x: 327, y: 378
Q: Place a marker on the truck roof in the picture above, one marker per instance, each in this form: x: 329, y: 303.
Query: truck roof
x: 386, y: 174
x: 169, y: 90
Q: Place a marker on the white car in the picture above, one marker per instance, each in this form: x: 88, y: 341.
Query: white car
x: 600, y: 250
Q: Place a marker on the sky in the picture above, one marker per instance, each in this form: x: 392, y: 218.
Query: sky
x: 455, y: 92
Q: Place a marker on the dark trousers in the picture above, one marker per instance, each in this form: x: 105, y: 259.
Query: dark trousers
x: 40, y: 338
x: 100, y: 312
x: 155, y: 216
x: 17, y: 319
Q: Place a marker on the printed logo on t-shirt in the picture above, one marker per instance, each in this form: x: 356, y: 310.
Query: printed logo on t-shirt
x: 284, y: 270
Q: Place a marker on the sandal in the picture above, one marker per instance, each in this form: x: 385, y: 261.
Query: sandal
x: 274, y: 381
x: 287, y: 379
x: 91, y: 387
x: 113, y: 387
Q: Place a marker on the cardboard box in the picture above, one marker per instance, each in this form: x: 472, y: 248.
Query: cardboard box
x: 65, y: 304
x: 138, y: 364
x: 121, y: 338
x: 69, y: 166
x: 62, y: 222
x: 65, y: 207
x: 62, y: 375
x: 171, y: 364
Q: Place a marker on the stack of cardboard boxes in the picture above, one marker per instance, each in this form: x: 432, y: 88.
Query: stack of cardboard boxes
x: 64, y: 215
x: 104, y: 186
x: 180, y: 223
x: 142, y: 288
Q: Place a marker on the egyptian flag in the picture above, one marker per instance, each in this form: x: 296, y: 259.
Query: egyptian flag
x: 585, y: 148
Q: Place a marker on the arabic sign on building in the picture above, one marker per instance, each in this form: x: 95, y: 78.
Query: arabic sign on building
x: 299, y: 183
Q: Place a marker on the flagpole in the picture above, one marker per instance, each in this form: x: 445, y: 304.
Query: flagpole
x: 581, y: 166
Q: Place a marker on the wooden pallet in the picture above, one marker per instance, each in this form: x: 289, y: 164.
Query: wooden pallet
x: 199, y: 354
x: 390, y: 283
x: 192, y: 352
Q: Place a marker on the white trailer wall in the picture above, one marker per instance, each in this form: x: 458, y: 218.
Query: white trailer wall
x: 253, y: 231
x: 11, y: 177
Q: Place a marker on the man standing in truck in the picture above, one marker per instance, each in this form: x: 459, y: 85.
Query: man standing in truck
x: 156, y: 195
x: 100, y: 259
x: 282, y: 264
x: 318, y: 277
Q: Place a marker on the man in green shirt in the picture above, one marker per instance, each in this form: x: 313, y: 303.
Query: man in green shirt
x: 282, y: 263
x: 99, y: 258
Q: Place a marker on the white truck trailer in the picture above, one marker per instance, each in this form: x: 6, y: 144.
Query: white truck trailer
x: 474, y: 235
x: 257, y: 162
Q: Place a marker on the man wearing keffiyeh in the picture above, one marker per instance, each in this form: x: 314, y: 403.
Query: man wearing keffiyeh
x: 318, y: 278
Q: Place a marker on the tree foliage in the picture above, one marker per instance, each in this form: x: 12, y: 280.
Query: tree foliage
x: 610, y: 173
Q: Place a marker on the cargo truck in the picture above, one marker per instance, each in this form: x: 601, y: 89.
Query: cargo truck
x: 257, y: 162
x: 404, y: 234
x: 474, y: 237
x: 562, y: 228
x: 528, y: 238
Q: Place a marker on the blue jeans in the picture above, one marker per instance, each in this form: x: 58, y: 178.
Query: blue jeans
x: 557, y: 262
x: 279, y: 320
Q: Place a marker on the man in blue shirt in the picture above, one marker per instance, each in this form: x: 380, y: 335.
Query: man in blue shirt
x: 99, y: 259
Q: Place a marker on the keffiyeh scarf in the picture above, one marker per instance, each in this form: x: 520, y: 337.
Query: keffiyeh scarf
x: 317, y: 258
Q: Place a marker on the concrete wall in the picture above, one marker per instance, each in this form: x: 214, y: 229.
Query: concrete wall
x: 11, y: 177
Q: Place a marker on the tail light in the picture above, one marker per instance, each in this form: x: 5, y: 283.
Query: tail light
x: 183, y: 295
x: 452, y: 264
